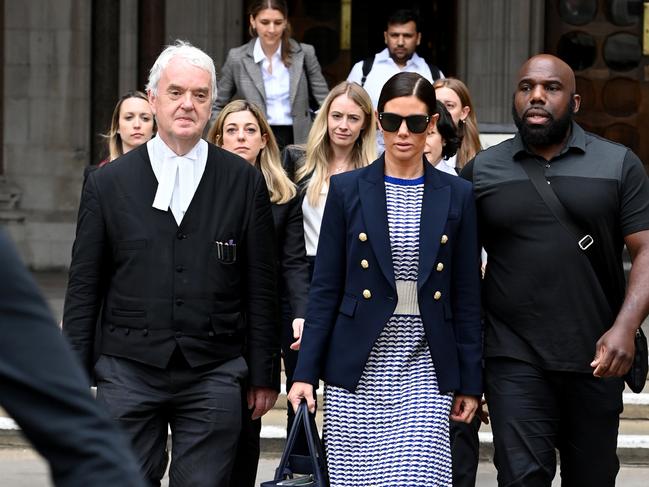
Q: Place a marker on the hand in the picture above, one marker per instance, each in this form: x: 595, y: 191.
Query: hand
x: 262, y: 399
x: 464, y: 408
x: 483, y: 413
x: 614, y: 353
x: 298, y: 328
x: 299, y: 391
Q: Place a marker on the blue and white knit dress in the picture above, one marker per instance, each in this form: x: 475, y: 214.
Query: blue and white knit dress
x: 393, y: 431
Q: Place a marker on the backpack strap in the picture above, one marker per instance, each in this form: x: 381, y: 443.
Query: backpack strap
x: 369, y: 61
x: 434, y: 72
x: 367, y: 67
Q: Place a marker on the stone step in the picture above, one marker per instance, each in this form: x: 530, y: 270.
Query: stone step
x: 636, y: 406
x: 633, y: 439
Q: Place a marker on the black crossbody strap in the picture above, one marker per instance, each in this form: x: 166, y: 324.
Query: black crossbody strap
x: 547, y: 194
x: 584, y: 240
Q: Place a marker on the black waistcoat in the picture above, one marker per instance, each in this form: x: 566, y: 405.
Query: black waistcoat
x: 168, y: 285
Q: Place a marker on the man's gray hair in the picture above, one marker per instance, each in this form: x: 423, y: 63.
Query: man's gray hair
x: 182, y: 49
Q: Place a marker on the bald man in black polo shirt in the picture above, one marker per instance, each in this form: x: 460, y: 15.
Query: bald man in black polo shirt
x: 559, y: 332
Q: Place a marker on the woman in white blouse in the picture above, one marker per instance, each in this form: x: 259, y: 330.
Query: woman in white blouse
x: 343, y: 138
x: 278, y: 74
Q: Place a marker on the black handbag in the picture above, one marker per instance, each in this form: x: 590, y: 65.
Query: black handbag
x: 312, y: 467
x: 636, y: 377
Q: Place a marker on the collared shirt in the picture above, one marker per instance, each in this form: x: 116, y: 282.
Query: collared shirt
x: 447, y: 165
x: 383, y: 69
x: 277, y: 85
x: 178, y: 176
x: 544, y: 303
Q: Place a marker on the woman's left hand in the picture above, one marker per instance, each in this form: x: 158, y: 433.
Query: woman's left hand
x: 464, y: 408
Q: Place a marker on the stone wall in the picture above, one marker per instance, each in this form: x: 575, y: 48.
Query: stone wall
x: 494, y: 38
x: 47, y: 106
x: 46, y: 141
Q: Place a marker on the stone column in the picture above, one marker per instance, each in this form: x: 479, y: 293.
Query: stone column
x: 128, y: 37
x: 215, y: 27
x: 46, y: 119
x: 494, y: 39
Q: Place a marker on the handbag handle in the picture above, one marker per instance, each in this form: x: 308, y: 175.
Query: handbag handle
x: 303, y: 419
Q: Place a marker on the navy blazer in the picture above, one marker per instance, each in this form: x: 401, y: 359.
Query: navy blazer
x: 344, y: 320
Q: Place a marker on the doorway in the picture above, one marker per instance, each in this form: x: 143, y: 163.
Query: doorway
x: 602, y: 41
x: 319, y: 23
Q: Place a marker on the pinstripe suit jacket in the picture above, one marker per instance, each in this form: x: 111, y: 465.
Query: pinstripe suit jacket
x: 241, y: 78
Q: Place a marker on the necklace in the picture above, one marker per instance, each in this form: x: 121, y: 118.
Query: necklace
x: 339, y: 168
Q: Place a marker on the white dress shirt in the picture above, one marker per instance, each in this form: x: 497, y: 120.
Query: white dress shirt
x: 383, y: 69
x: 277, y: 85
x: 447, y: 165
x: 178, y: 176
x: 312, y: 217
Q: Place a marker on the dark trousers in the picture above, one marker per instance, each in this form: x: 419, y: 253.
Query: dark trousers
x: 535, y: 412
x: 290, y: 362
x: 201, y: 405
x: 244, y: 473
x: 247, y: 460
x: 465, y: 451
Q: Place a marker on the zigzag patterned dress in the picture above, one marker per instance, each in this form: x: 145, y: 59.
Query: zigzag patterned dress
x: 393, y: 431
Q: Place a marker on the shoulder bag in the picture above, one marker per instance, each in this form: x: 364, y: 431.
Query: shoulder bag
x: 636, y: 377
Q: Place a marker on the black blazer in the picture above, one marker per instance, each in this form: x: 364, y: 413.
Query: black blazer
x: 291, y: 254
x: 350, y: 303
x: 43, y: 388
x: 164, y: 286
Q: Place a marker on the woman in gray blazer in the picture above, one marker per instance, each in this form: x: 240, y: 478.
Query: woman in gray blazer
x: 275, y: 72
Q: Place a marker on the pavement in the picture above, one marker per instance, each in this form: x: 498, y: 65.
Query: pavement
x: 21, y: 466
x: 24, y: 468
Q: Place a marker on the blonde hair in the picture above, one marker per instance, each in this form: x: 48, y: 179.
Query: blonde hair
x: 115, y: 148
x: 280, y: 187
x: 468, y: 131
x: 318, y: 145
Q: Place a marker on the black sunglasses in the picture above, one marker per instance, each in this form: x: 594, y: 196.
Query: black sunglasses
x: 415, y: 123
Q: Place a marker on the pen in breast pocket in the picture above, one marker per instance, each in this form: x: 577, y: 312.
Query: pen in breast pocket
x: 233, y: 248
x: 219, y: 249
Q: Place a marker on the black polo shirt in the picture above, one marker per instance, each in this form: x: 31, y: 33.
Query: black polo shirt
x: 543, y: 301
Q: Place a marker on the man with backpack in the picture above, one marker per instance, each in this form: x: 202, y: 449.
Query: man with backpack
x: 402, y: 37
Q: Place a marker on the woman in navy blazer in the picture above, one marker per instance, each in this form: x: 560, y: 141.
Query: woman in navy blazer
x: 364, y: 309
